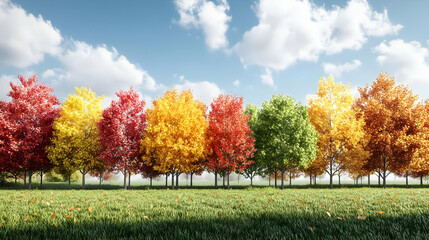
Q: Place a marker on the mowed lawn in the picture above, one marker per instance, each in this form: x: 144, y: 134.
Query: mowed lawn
x: 258, y: 213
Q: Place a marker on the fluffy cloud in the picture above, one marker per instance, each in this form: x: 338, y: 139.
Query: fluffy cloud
x: 211, y: 18
x: 236, y: 83
x: 204, y: 91
x: 99, y: 68
x: 295, y: 30
x: 408, y: 61
x: 337, y: 70
x: 267, y: 77
x: 25, y: 39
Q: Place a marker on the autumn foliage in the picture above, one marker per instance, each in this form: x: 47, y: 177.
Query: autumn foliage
x: 75, y: 140
x: 176, y: 137
x: 385, y: 130
x: 26, y: 126
x: 232, y: 143
x: 341, y: 140
x: 121, y: 129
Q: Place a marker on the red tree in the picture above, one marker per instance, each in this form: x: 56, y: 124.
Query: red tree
x: 27, y: 126
x: 121, y: 131
x: 232, y: 143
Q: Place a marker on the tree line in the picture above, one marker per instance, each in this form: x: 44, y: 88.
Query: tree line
x: 385, y: 130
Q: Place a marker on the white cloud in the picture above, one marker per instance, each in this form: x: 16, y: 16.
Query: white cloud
x: 408, y: 61
x: 236, y: 83
x: 294, y: 30
x: 99, y: 68
x: 5, y: 86
x: 210, y: 17
x: 204, y: 91
x: 267, y: 77
x: 25, y: 39
x: 337, y: 70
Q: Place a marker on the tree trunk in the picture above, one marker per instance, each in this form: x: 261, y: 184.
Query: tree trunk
x: 30, y: 173
x: 69, y: 179
x: 315, y: 178
x: 129, y: 179
x: 177, y: 181
x: 406, y: 179
x: 379, y: 174
x: 228, y: 180
x: 283, y: 174
x: 369, y: 180
x: 125, y: 178
x: 269, y: 180
x: 191, y: 178
x: 83, y: 178
x: 215, y: 179
x: 421, y: 180
x: 223, y: 178
x: 310, y: 179
x: 290, y: 180
x: 25, y: 178
x: 251, y: 181
x: 275, y: 178
x: 101, y: 176
x: 339, y: 180
x: 330, y: 174
x: 41, y: 178
x: 151, y: 182
x: 166, y: 180
x: 384, y: 173
x: 16, y: 179
x: 172, y: 180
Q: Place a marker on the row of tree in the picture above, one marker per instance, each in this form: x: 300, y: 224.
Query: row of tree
x: 385, y: 130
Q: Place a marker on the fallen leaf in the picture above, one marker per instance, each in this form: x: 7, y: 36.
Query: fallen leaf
x: 68, y: 216
x: 380, y: 212
x: 146, y: 217
x: 102, y: 205
x: 28, y: 217
x: 35, y: 214
x: 187, y: 213
x: 312, y: 228
x: 53, y: 215
x: 329, y: 214
x: 340, y: 218
x: 90, y: 208
x: 239, y: 205
x: 362, y: 217
x: 395, y: 199
x: 54, y: 224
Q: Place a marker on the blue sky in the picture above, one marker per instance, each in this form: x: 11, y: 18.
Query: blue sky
x: 250, y: 48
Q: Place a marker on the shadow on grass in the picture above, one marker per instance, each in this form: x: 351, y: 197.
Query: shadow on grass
x: 244, y: 227
x: 78, y: 186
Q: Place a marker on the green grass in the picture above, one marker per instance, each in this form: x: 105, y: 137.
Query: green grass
x: 258, y: 213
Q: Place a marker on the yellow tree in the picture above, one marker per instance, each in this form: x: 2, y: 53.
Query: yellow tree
x: 75, y: 138
x: 176, y: 138
x: 340, y: 131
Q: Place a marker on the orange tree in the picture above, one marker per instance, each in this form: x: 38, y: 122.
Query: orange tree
x: 175, y: 139
x: 390, y: 125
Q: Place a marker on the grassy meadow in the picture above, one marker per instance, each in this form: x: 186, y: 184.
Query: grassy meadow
x: 248, y: 213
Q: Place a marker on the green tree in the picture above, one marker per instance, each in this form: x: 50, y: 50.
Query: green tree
x: 285, y: 135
